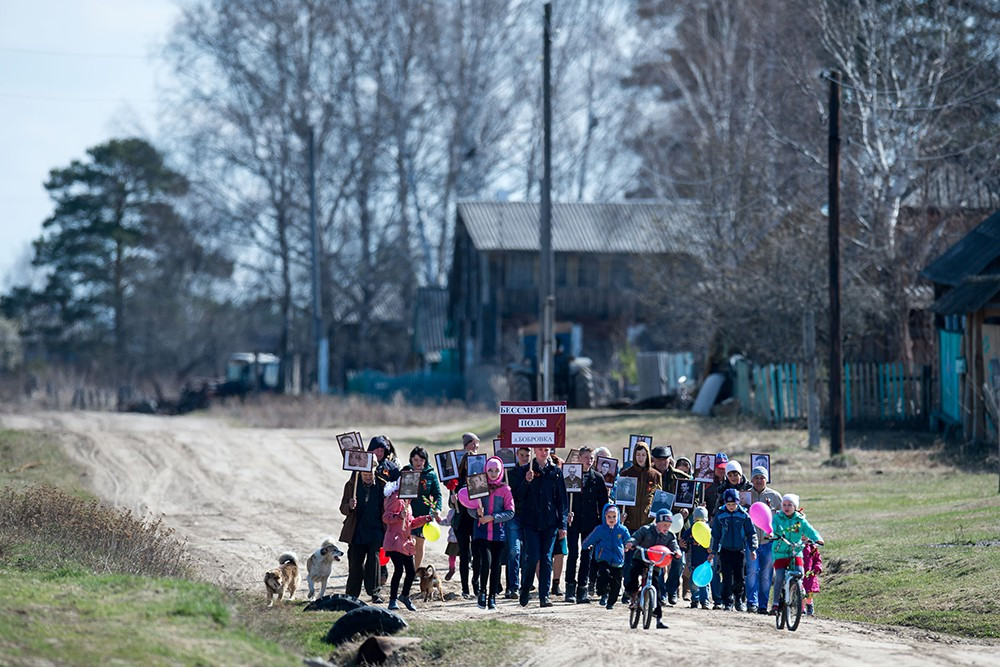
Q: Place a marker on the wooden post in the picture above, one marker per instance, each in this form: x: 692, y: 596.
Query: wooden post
x: 356, y: 475
x: 809, y: 344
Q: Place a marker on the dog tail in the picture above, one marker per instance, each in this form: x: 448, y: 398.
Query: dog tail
x: 287, y: 557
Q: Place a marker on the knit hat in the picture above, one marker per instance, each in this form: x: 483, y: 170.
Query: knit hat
x: 685, y: 460
x: 792, y: 498
x: 730, y: 496
x: 721, y: 460
x: 664, y: 515
x: 734, y: 466
x: 700, y: 514
x: 760, y: 470
x: 468, y: 437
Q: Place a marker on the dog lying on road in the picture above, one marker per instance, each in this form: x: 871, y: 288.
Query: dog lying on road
x: 284, y: 577
x: 429, y: 583
x: 320, y: 565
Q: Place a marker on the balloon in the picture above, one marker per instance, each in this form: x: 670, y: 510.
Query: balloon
x: 660, y: 555
x: 677, y: 524
x: 702, y: 575
x: 760, y: 514
x: 702, y: 535
x: 382, y: 558
x: 431, y: 532
x: 463, y: 497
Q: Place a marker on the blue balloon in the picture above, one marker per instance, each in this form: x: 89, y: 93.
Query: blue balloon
x: 702, y: 575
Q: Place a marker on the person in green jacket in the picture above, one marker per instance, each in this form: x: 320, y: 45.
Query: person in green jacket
x: 429, y: 500
x: 790, y: 524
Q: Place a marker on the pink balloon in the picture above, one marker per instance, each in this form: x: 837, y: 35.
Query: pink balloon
x: 760, y: 514
x: 463, y: 497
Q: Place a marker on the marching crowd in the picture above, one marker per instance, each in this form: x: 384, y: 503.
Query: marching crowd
x: 527, y: 527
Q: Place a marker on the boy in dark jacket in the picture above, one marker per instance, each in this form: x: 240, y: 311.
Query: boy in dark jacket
x: 732, y: 532
x: 585, y: 517
x: 646, y: 537
x: 608, y: 542
x: 545, y: 516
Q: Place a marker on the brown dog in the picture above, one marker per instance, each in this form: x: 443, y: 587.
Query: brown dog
x: 429, y: 583
x: 282, y: 578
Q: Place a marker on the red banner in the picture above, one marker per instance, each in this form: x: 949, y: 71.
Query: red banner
x: 532, y: 424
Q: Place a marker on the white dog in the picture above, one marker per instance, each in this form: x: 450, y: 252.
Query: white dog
x: 320, y: 565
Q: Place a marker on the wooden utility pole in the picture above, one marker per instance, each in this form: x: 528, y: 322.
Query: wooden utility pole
x: 319, y: 340
x: 836, y: 354
x: 547, y: 279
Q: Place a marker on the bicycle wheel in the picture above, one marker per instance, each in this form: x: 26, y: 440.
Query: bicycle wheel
x: 634, y: 611
x: 794, y: 605
x: 648, y: 604
x: 779, y: 615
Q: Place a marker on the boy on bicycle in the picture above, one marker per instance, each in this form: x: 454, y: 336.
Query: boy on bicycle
x: 646, y: 537
x: 790, y: 524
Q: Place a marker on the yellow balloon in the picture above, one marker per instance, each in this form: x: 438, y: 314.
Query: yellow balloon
x: 701, y: 533
x: 431, y: 532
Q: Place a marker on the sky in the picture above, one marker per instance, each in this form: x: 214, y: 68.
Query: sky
x: 73, y: 74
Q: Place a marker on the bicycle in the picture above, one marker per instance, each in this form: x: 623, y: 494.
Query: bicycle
x: 790, y: 596
x: 644, y: 600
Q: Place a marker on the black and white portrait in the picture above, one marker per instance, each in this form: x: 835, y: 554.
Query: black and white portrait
x: 447, y: 466
x: 409, y: 484
x: 350, y: 440
x: 662, y: 500
x: 762, y: 461
x: 607, y: 468
x: 684, y: 493
x: 478, y: 486
x: 573, y: 475
x: 475, y: 464
x: 508, y: 456
x: 625, y: 491
x: 361, y: 461
x: 704, y: 468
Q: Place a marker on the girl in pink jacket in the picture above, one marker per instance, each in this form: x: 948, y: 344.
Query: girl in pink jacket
x: 489, y: 537
x: 399, y: 543
x: 812, y: 565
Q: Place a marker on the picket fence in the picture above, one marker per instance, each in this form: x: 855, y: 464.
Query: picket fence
x: 873, y: 392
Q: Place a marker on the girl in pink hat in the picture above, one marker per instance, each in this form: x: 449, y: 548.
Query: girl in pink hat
x: 489, y: 536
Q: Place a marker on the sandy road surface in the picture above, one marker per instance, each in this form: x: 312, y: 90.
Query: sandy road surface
x: 242, y: 496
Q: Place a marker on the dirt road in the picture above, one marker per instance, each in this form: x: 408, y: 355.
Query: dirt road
x: 242, y: 496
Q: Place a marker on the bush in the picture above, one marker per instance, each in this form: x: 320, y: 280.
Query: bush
x: 45, y: 528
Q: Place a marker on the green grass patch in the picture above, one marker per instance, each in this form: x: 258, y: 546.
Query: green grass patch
x: 34, y: 457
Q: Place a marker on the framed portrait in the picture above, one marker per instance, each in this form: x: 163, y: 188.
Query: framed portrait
x: 634, y: 438
x: 745, y: 498
x: 475, y: 464
x: 409, y: 484
x: 573, y: 456
x: 573, y: 475
x: 662, y: 500
x: 350, y: 440
x: 626, y: 491
x: 447, y: 465
x: 762, y: 460
x: 359, y: 460
x: 607, y: 468
x: 684, y: 493
x: 505, y: 454
x: 704, y: 468
x: 478, y: 486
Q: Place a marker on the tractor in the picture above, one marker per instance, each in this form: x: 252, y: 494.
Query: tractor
x: 573, y: 379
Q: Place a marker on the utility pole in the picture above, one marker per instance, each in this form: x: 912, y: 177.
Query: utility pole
x: 322, y: 344
x: 547, y: 279
x: 836, y: 354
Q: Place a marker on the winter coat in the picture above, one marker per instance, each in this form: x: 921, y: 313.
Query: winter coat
x: 587, y: 512
x: 363, y: 524
x: 648, y: 536
x: 608, y: 542
x: 743, y: 485
x: 812, y: 561
x: 518, y: 487
x: 544, y: 498
x: 792, y: 528
x: 769, y: 497
x: 399, y: 521
x: 500, y: 503
x: 733, y: 531
x: 429, y: 498
x: 648, y: 480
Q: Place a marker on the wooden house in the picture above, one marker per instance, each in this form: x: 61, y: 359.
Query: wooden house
x: 966, y: 281
x: 602, y: 255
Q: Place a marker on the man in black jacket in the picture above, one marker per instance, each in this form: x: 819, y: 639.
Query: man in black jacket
x: 584, y: 518
x: 543, y: 495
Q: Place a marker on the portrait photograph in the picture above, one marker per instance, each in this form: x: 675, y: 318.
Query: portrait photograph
x: 350, y: 440
x: 662, y: 500
x: 505, y: 454
x: 447, y: 466
x: 745, y: 498
x: 358, y: 460
x: 634, y: 438
x: 478, y: 486
x: 573, y: 456
x: 409, y: 484
x: 607, y: 468
x: 625, y: 491
x: 475, y: 464
x: 762, y: 460
x: 704, y: 467
x: 573, y: 475
x: 684, y: 493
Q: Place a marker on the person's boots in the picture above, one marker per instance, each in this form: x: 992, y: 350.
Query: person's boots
x: 660, y: 625
x: 581, y: 595
x: 492, y: 603
x: 555, y: 588
x: 482, y: 601
x: 570, y: 592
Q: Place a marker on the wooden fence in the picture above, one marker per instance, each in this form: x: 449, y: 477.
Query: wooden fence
x: 872, y: 392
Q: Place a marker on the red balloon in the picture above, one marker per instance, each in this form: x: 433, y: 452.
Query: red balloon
x: 660, y: 555
x: 382, y: 558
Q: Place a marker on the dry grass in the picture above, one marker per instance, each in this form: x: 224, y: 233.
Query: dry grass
x: 43, y: 527
x: 269, y: 411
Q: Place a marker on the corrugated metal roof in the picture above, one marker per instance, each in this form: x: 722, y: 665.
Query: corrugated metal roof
x: 972, y: 294
x: 431, y: 319
x: 969, y: 256
x: 624, y: 227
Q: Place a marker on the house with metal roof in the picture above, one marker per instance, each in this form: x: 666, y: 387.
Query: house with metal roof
x: 966, y: 281
x: 602, y: 253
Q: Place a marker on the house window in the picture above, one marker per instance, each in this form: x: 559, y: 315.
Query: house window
x: 621, y: 273
x: 521, y: 270
x: 589, y: 272
x: 562, y: 271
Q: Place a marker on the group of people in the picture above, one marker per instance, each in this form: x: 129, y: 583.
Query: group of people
x: 529, y: 527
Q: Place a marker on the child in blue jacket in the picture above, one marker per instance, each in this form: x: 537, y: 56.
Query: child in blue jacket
x: 608, y: 541
x: 732, y: 533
